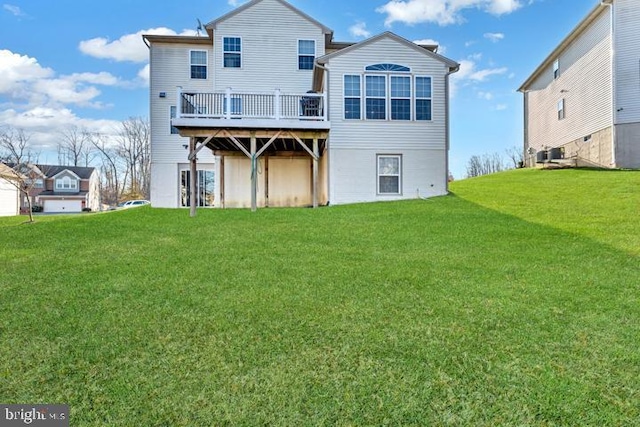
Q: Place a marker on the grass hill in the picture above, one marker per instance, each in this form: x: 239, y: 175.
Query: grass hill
x: 513, y: 301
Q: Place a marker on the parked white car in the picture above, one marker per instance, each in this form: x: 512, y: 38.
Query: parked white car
x: 133, y: 204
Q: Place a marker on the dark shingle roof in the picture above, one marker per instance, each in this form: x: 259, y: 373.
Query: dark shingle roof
x: 53, y: 170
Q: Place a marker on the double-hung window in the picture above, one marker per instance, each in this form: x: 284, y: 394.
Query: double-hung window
x: 376, y: 97
x: 306, y: 54
x: 423, y: 98
x: 389, y: 174
x: 561, y: 112
x: 352, y: 97
x: 232, y: 52
x: 400, y: 98
x: 198, y: 61
x: 556, y: 69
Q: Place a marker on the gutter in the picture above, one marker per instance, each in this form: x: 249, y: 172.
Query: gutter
x: 614, y: 95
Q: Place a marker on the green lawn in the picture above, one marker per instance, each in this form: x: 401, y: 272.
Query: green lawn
x: 513, y: 301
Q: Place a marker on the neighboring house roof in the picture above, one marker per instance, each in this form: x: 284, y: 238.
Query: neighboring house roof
x: 8, y: 173
x: 212, y: 25
x: 573, y: 35
x: 52, y: 170
x: 387, y: 34
x: 66, y: 194
x: 153, y: 38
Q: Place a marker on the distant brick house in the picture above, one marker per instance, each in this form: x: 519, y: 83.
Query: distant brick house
x: 63, y: 189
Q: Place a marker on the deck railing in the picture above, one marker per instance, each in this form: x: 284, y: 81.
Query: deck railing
x: 241, y: 105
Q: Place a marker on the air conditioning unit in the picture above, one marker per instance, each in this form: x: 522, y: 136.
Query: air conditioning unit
x: 556, y: 153
x: 541, y: 156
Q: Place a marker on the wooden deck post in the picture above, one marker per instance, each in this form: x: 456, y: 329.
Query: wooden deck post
x: 192, y: 176
x: 254, y: 173
x: 315, y: 172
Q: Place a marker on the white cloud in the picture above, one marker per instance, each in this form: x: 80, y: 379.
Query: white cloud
x: 359, y: 29
x: 501, y: 107
x: 234, y: 2
x: 130, y: 47
x: 470, y: 74
x: 485, y: 95
x: 442, y: 12
x: 14, y: 10
x: 25, y: 81
x: 494, y: 37
x: 145, y: 74
x: 44, y: 124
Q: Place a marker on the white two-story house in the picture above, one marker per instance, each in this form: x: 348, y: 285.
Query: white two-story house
x: 583, y: 102
x: 267, y: 110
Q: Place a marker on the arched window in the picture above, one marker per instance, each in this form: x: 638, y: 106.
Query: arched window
x: 388, y: 67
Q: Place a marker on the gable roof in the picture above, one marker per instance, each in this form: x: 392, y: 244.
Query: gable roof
x: 573, y: 35
x: 8, y: 173
x: 212, y: 25
x: 454, y: 66
x: 52, y: 170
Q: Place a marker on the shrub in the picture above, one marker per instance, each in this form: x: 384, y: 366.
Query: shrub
x: 86, y: 209
x: 36, y: 208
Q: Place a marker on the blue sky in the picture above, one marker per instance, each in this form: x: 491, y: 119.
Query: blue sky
x: 83, y: 63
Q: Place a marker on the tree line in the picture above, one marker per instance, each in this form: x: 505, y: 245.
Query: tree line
x: 486, y: 164
x: 122, y: 158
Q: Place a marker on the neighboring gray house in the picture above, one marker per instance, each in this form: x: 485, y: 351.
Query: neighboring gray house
x: 584, y: 99
x: 267, y: 109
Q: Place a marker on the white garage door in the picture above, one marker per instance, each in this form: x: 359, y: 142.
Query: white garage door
x: 63, y: 206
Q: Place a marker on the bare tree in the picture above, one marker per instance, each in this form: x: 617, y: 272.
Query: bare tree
x: 75, y: 148
x: 17, y: 154
x: 485, y: 165
x: 110, y: 169
x: 133, y: 147
x: 516, y: 155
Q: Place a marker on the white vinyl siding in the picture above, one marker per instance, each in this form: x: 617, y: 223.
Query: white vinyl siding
x: 354, y: 145
x: 627, y: 63
x: 270, y: 33
x: 585, y: 84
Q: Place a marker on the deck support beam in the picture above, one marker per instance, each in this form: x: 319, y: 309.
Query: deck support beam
x: 254, y: 173
x: 192, y: 176
x: 315, y: 172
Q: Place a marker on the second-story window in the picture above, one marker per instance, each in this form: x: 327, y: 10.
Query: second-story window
x: 556, y: 69
x: 376, y: 95
x: 423, y: 98
x: 400, y: 98
x: 561, y: 113
x: 198, y: 64
x: 66, y: 183
x: 306, y: 54
x: 352, y: 97
x: 232, y: 52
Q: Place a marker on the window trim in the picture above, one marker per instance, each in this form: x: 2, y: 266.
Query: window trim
x: 224, y: 52
x: 385, y: 98
x: 315, y: 53
x: 205, y: 65
x: 200, y: 189
x: 409, y: 98
x: 561, y: 107
x: 345, y: 97
x: 378, y: 175
x: 61, y: 182
x: 416, y: 98
x: 556, y: 69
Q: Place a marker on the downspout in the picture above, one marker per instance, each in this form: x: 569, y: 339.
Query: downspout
x: 447, y: 125
x: 614, y: 97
